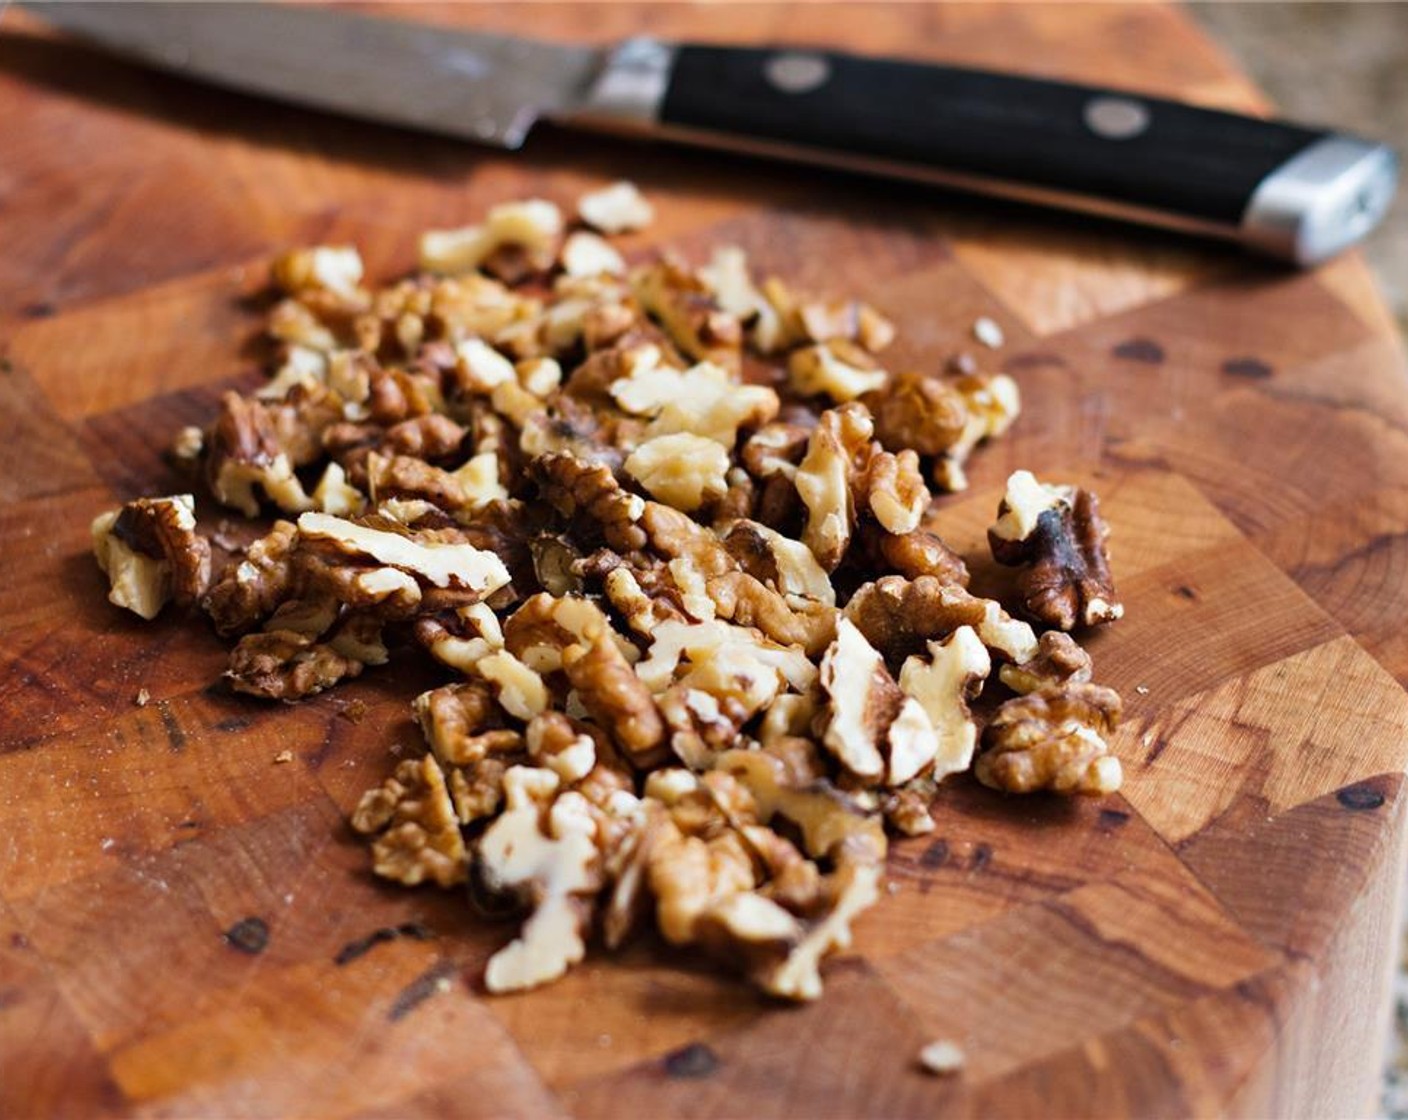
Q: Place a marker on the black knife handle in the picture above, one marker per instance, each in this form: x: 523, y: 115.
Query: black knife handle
x: 1296, y: 192
x: 1179, y: 159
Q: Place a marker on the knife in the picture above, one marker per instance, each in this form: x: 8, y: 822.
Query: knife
x: 1293, y: 192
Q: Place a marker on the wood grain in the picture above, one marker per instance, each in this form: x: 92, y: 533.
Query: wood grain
x: 1211, y: 941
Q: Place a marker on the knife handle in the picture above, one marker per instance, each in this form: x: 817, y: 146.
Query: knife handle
x: 1294, y: 192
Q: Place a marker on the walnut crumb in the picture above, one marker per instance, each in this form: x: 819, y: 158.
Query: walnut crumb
x: 987, y: 332
x: 942, y: 1058
x: 143, y: 698
x: 283, y: 756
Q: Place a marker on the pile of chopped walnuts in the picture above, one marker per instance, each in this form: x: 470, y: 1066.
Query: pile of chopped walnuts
x: 668, y: 531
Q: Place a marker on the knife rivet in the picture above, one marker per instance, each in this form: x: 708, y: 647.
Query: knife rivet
x: 796, y: 71
x: 1115, y: 118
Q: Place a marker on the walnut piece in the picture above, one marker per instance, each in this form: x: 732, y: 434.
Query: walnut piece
x: 1058, y: 661
x: 287, y: 665
x: 1057, y: 537
x: 586, y: 254
x: 545, y: 854
x: 618, y: 208
x: 682, y: 470
x: 684, y: 306
x: 532, y: 227
x: 415, y: 832
x: 837, y: 369
x: 463, y: 724
x: 329, y: 268
x: 954, y: 672
x: 440, y: 564
x: 872, y: 727
x: 151, y: 553
x: 1053, y: 739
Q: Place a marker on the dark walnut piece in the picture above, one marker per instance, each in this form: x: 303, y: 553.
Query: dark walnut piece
x: 1057, y: 537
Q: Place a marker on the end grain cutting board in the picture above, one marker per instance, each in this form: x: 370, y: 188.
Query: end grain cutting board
x: 1214, y: 940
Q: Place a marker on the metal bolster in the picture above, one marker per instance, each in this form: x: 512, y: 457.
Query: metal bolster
x: 630, y: 90
x: 1323, y: 199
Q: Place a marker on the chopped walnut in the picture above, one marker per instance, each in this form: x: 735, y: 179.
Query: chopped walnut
x: 919, y: 412
x: 545, y: 854
x: 702, y: 400
x: 907, y: 808
x: 780, y: 562
x: 872, y: 727
x: 564, y: 745
x: 894, y: 491
x: 897, y: 615
x: 681, y: 470
x: 336, y: 269
x: 1058, y: 661
x: 616, y: 699
x: 618, y: 208
x: 914, y: 554
x: 586, y: 254
x: 440, y: 564
x: 992, y: 404
x: 823, y: 481
x: 837, y: 369
x: 463, y: 724
x: 575, y: 486
x: 532, y: 228
x: 617, y: 512
x: 150, y: 551
x: 685, y: 307
x: 287, y: 665
x: 462, y: 638
x: 1057, y: 536
x: 1053, y: 739
x: 795, y: 322
x: 954, y: 672
x: 415, y: 832
x: 253, y: 585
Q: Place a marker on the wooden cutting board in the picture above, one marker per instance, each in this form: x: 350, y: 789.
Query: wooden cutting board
x: 1216, y: 939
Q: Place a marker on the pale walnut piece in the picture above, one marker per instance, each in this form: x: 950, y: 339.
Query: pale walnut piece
x: 151, y: 553
x: 542, y: 851
x: 943, y: 685
x: 874, y: 729
x: 618, y: 208
x: 992, y: 403
x: 1057, y: 537
x: 837, y: 369
x: 685, y: 307
x: 1053, y: 739
x: 330, y: 268
x: 682, y: 470
x: 416, y: 834
x: 823, y: 480
x: 532, y: 228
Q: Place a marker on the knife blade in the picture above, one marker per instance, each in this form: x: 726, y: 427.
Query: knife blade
x: 1298, y: 193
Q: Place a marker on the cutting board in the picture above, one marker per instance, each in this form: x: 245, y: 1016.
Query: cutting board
x: 1216, y: 939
